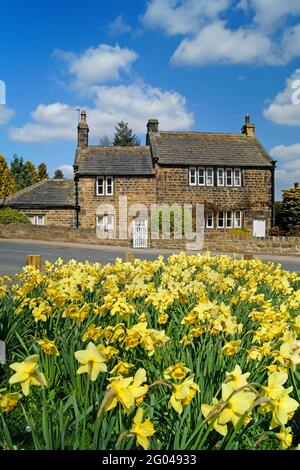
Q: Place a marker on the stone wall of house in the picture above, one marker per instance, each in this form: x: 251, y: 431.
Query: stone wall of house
x: 57, y: 217
x: 139, y: 190
x: 254, y: 197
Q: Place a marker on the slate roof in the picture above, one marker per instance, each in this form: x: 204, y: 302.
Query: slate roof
x: 46, y: 193
x: 201, y: 148
x: 114, y: 161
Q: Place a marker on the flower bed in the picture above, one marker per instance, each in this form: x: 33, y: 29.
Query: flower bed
x: 195, y: 352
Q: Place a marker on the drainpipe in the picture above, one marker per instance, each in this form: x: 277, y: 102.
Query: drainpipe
x: 273, y: 194
x: 77, y: 207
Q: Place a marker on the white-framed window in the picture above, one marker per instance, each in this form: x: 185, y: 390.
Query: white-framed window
x: 104, y: 186
x: 237, y: 177
x: 229, y: 177
x: 192, y: 176
x: 229, y: 219
x: 105, y: 222
x: 37, y: 219
x: 109, y: 186
x: 209, y: 176
x: 201, y: 176
x: 220, y: 178
x: 100, y: 186
x: 221, y: 219
x: 237, y: 219
x: 210, y: 221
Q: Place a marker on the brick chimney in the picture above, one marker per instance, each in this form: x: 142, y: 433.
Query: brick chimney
x: 152, y: 126
x: 248, y: 128
x: 83, y: 131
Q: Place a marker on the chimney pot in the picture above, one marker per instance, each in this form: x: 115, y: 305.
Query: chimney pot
x: 248, y: 129
x: 83, y: 131
x: 152, y: 126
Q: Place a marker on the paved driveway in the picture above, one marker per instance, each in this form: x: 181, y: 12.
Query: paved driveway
x: 13, y: 254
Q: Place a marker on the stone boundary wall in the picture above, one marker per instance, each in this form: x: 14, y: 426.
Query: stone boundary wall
x: 225, y: 243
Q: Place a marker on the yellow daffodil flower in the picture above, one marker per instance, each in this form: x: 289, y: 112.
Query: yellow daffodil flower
x: 27, y: 374
x: 177, y: 372
x: 91, y: 360
x: 183, y: 394
x: 122, y: 368
x: 142, y: 430
x: 285, y: 437
x: 48, y: 347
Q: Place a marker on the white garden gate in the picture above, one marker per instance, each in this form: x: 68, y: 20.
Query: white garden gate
x: 140, y: 233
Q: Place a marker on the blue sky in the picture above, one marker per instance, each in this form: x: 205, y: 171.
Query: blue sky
x: 193, y: 64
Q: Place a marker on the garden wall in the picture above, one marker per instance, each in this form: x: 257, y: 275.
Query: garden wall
x: 214, y: 242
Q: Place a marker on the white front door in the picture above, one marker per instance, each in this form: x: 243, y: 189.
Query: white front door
x: 140, y: 233
x: 259, y: 228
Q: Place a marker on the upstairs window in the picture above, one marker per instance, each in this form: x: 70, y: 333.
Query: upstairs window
x: 104, y: 186
x: 220, y: 173
x: 228, y: 176
x: 201, y: 177
x: 237, y: 177
x: 192, y: 176
x: 210, y: 176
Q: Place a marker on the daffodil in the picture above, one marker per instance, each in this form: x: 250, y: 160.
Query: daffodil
x: 236, y: 379
x: 183, y: 394
x: 285, y: 437
x: 91, y: 360
x: 27, y: 374
x: 126, y: 391
x: 142, y: 430
x: 231, y: 348
x: 237, y: 403
x: 48, y: 347
x: 122, y: 368
x: 92, y: 333
x: 8, y: 401
x: 178, y: 371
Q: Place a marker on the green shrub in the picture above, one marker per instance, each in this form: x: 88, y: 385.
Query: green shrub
x: 239, y: 231
x: 13, y: 216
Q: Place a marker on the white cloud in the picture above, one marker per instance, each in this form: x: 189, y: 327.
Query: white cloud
x: 268, y: 13
x: 288, y: 161
x: 49, y: 122
x: 225, y: 45
x: 5, y: 114
x: 182, y: 17
x: 282, y: 109
x: 210, y: 39
x: 67, y: 170
x: 98, y: 64
x: 118, y: 26
x: 134, y: 104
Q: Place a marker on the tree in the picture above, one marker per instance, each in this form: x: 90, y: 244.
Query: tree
x: 58, y: 174
x: 124, y: 136
x: 290, y: 209
x: 6, y: 180
x: 17, y: 171
x: 42, y: 172
x: 29, y: 174
x: 104, y: 141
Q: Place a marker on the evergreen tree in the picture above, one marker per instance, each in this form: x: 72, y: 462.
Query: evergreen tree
x: 289, y: 216
x: 124, y: 136
x: 6, y: 180
x: 29, y: 174
x: 42, y: 172
x: 17, y: 171
x: 58, y: 174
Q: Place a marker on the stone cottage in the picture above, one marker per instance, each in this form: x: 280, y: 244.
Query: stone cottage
x: 232, y: 175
